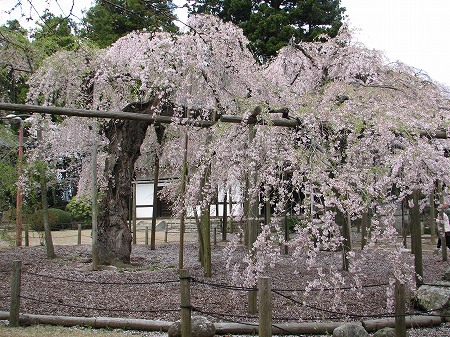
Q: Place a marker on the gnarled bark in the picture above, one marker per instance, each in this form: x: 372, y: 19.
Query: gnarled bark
x: 125, y: 139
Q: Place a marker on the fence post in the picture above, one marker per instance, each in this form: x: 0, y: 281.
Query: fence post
x: 252, y: 298
x: 15, y: 294
x: 265, y: 307
x: 185, y: 281
x: 146, y: 235
x: 79, y: 234
x: 400, y: 321
x: 215, y: 236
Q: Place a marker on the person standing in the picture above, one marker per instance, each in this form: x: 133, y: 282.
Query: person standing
x: 446, y: 226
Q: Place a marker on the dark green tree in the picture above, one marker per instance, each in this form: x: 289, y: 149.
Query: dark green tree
x: 8, y: 167
x: 270, y: 25
x: 108, y: 20
x: 17, y: 60
x: 54, y: 33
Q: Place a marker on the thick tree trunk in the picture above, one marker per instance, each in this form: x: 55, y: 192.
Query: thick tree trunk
x: 114, y: 235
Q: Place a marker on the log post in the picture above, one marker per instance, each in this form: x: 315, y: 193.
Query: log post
x: 265, y: 307
x: 146, y: 235
x: 15, y: 294
x: 186, y: 325
x: 400, y: 321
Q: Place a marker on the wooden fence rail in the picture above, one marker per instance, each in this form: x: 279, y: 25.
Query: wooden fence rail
x: 264, y: 327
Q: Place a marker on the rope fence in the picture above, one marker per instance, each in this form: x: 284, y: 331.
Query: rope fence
x: 185, y: 308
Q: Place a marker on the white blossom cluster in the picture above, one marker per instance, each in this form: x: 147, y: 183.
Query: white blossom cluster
x: 364, y: 139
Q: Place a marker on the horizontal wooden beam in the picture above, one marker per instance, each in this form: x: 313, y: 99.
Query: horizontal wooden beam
x: 157, y: 119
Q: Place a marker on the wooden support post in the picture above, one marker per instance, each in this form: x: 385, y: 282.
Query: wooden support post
x: 15, y: 294
x: 286, y: 233
x: 347, y: 244
x: 146, y: 235
x: 186, y: 325
x: 206, y: 240
x: 159, y: 130
x: 441, y: 217
x: 183, y: 191
x: 134, y: 233
x: 364, y: 226
x: 27, y: 235
x: 95, y: 255
x: 230, y: 204
x: 265, y: 307
x: 432, y: 219
x: 404, y: 227
x: 215, y: 236
x: 416, y: 238
x: 133, y: 212
x: 400, y: 321
x: 166, y: 232
x: 224, y: 217
x: 79, y: 235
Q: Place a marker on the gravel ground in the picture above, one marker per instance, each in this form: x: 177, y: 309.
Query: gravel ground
x: 149, y: 287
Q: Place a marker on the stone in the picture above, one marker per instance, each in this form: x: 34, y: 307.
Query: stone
x: 447, y: 275
x: 385, y: 332
x: 434, y: 297
x: 200, y: 325
x: 350, y: 330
